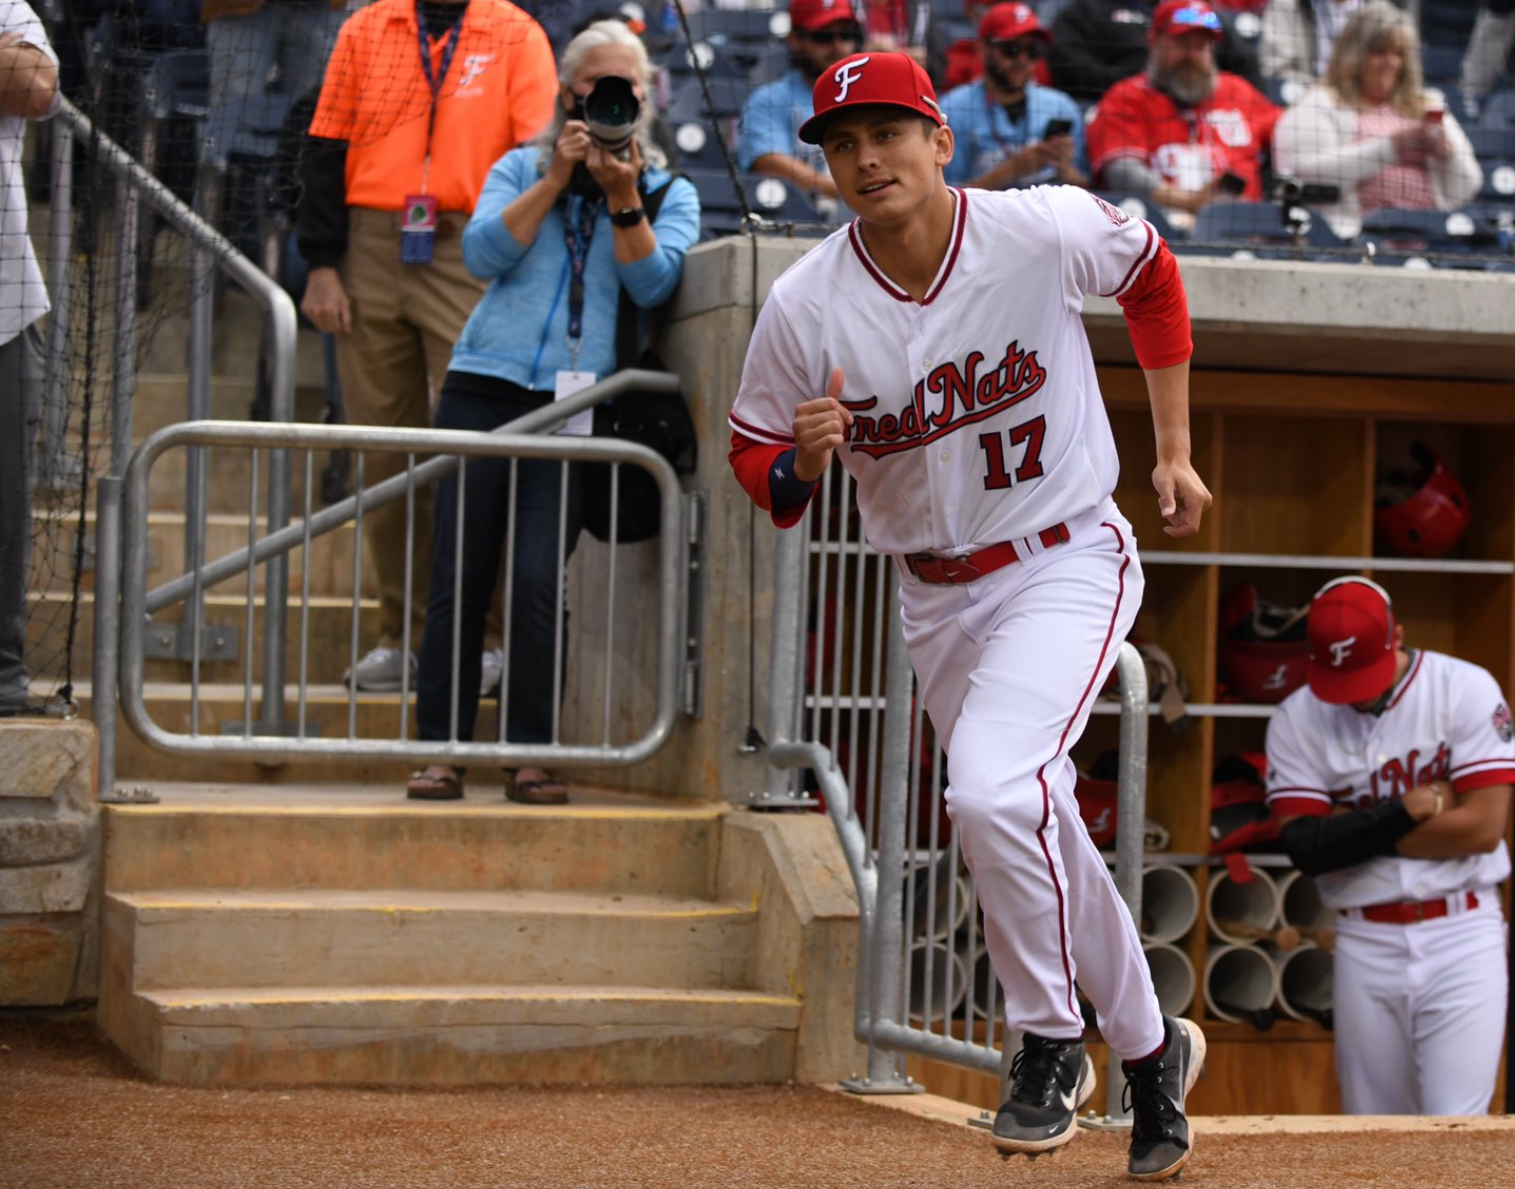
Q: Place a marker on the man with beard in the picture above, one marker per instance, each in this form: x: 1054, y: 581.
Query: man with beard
x: 1183, y: 133
x: 1008, y: 130
x: 1097, y: 43
x: 821, y: 34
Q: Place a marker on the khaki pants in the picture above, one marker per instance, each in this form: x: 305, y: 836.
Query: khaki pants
x: 406, y: 318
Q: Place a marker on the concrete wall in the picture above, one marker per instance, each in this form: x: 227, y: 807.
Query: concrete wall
x: 49, y: 863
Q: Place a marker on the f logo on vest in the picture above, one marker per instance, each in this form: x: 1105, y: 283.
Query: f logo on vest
x: 1340, y: 650
x: 846, y: 74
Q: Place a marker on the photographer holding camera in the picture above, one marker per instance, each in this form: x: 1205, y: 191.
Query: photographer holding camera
x: 562, y: 226
x: 1373, y: 131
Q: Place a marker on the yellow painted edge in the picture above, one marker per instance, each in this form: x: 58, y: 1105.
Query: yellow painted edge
x: 281, y: 995
x: 699, y: 813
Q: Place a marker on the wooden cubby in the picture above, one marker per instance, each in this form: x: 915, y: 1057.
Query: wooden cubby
x: 1294, y: 462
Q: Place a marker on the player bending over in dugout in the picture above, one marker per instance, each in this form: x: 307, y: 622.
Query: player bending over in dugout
x: 1390, y: 771
x: 936, y: 347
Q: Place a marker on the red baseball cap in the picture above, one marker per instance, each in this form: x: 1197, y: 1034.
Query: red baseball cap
x: 1351, y: 629
x: 1177, y: 17
x: 896, y: 80
x: 808, y: 15
x: 1008, y: 22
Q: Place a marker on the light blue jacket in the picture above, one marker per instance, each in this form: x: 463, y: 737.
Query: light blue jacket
x: 771, y: 120
x: 984, y: 135
x: 519, y: 329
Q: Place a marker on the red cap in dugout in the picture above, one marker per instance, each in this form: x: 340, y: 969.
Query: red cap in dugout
x: 1010, y: 22
x: 894, y: 80
x: 1352, y: 651
x: 806, y: 16
x: 1177, y: 17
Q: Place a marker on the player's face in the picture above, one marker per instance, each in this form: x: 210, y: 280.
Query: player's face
x: 885, y: 162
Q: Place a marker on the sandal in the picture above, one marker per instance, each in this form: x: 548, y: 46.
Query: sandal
x: 436, y: 783
x: 545, y: 790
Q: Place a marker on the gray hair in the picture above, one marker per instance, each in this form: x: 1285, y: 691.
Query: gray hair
x: 604, y: 33
x: 1373, y: 29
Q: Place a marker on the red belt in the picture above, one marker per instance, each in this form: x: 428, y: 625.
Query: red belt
x: 939, y: 571
x: 1408, y: 912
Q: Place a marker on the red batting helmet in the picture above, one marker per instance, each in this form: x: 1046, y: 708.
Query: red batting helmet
x: 1421, y: 513
x: 1263, y: 647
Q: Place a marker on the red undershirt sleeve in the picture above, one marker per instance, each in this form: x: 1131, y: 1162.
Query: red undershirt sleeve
x: 753, y: 462
x: 1157, y: 313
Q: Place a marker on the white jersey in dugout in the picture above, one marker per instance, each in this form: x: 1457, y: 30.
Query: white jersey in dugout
x: 1448, y: 720
x: 980, y: 403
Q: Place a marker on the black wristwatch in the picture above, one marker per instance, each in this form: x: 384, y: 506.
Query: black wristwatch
x: 629, y: 217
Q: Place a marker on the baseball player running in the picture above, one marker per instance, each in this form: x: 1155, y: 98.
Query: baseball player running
x: 935, y: 346
x: 1391, y: 771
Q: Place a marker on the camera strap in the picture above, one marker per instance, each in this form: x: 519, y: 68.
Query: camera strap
x: 578, y: 234
x: 449, y: 46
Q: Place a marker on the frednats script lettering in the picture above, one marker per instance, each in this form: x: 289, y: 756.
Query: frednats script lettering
x: 956, y: 396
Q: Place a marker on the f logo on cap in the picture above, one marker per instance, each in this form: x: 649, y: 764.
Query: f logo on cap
x: 847, y: 74
x: 1340, y: 650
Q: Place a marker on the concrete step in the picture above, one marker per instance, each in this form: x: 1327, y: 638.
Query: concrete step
x: 328, y: 646
x: 464, y: 1035
x: 344, y: 837
x: 367, y: 939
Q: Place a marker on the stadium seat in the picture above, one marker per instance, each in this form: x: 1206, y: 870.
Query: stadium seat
x: 737, y: 25
x: 1441, y: 63
x: 770, y: 199
x: 1259, y: 229
x: 1498, y: 180
x: 1459, y: 232
x: 726, y: 98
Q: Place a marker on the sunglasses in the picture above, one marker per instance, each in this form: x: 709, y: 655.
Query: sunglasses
x: 832, y: 36
x: 1194, y: 18
x: 1025, y: 48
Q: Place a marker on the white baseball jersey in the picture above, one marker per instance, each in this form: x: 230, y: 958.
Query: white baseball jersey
x: 1448, y: 720
x: 979, y: 404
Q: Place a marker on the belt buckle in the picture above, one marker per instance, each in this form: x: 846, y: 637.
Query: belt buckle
x: 959, y: 569
x: 1420, y: 911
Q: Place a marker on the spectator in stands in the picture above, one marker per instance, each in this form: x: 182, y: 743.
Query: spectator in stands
x: 1489, y: 52
x: 247, y: 39
x: 821, y: 34
x: 908, y: 27
x: 1183, y: 133
x: 405, y: 136
x: 28, y: 91
x: 1372, y: 130
x: 1297, y: 36
x: 549, y: 209
x: 1097, y: 43
x: 1001, y: 123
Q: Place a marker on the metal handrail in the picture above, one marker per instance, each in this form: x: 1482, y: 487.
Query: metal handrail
x: 139, y: 185
x: 275, y: 747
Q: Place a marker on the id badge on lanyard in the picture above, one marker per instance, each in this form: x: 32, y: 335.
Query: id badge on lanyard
x: 418, y: 218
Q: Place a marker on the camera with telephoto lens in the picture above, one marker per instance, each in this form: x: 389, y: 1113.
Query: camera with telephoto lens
x: 1289, y: 190
x: 610, y: 109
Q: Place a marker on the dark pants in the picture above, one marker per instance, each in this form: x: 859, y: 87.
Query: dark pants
x: 20, y: 406
x: 484, y: 403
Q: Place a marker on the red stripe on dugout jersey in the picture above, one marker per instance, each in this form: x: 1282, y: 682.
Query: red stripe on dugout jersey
x: 959, y: 223
x: 1041, y: 834
x: 1409, y: 677
x: 757, y: 432
x: 1298, y: 803
x: 1145, y: 257
x: 960, y: 216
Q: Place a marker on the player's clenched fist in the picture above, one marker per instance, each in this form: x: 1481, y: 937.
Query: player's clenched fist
x: 1182, y: 497
x: 820, y: 426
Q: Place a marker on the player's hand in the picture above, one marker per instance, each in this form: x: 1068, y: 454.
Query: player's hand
x: 1428, y: 800
x: 325, y: 302
x: 1182, y: 497
x: 820, y: 426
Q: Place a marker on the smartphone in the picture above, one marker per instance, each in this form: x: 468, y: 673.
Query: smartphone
x: 1434, y: 114
x: 1057, y: 128
x: 1231, y: 183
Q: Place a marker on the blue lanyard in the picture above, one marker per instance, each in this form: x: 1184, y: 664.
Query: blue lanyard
x: 449, y: 45
x: 577, y: 240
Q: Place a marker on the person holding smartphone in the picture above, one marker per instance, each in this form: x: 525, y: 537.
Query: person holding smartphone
x: 1372, y: 130
x: 1010, y: 130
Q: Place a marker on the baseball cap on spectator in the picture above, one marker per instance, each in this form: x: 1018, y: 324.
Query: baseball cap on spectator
x: 1351, y: 629
x: 806, y: 16
x: 1011, y: 22
x: 895, y: 80
x: 1177, y: 17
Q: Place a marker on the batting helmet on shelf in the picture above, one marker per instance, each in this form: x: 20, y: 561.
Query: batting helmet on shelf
x: 1263, y: 647
x: 1239, y: 818
x: 1097, y: 792
x: 1424, y: 512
